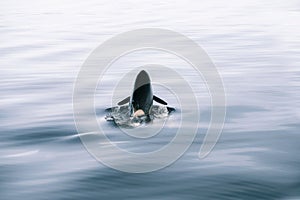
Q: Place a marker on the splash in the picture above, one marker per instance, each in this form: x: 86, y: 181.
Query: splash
x: 121, y: 116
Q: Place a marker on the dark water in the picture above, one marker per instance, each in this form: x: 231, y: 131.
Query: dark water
x: 255, y: 46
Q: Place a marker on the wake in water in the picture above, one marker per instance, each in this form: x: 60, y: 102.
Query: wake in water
x: 121, y: 115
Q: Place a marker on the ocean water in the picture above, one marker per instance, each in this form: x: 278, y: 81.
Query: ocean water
x: 255, y: 46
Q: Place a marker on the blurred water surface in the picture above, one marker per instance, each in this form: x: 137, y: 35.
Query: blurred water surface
x: 255, y: 46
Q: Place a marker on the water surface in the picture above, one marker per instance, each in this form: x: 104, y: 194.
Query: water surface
x: 255, y: 46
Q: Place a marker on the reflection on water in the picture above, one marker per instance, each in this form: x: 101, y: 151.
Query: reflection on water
x: 255, y: 46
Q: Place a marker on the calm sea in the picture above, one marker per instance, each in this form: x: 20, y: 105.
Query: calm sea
x: 255, y: 46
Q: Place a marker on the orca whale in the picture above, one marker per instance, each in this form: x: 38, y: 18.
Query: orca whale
x: 141, y: 100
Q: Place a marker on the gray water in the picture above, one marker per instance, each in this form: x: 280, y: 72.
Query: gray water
x: 255, y: 46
